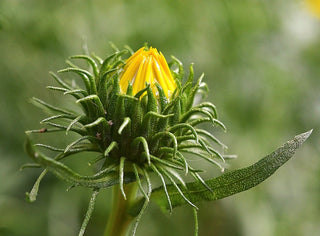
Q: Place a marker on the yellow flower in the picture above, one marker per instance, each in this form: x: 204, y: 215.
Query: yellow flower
x: 314, y: 7
x: 147, y: 66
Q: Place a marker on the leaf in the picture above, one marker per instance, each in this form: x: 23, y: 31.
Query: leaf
x: 32, y: 196
x: 104, y: 179
x: 89, y: 212
x: 232, y: 182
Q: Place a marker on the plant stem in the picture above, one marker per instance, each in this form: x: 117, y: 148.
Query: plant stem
x: 119, y: 219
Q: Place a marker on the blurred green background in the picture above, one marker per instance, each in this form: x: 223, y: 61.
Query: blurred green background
x: 262, y: 63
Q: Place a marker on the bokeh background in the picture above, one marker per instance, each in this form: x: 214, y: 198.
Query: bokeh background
x: 262, y: 63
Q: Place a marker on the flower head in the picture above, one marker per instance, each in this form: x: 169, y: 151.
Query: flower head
x: 139, y: 119
x: 147, y: 66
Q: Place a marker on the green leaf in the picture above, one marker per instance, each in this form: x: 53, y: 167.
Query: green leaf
x: 89, y: 212
x: 85, y: 76
x: 103, y: 179
x: 32, y: 196
x: 232, y: 182
x: 163, y: 101
x: 90, y: 61
x: 48, y: 107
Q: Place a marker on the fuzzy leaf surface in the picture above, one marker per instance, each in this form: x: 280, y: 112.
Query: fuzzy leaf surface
x: 232, y: 182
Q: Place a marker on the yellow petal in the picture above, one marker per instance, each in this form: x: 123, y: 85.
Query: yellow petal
x: 147, y: 66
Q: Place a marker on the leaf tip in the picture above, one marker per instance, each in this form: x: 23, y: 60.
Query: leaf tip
x: 301, y: 138
x: 30, y: 197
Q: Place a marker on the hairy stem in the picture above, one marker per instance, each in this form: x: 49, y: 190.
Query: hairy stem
x: 119, y: 219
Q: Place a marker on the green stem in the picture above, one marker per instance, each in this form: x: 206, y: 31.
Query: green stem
x: 119, y: 219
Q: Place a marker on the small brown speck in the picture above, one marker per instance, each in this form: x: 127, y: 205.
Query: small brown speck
x: 98, y: 136
x: 43, y: 130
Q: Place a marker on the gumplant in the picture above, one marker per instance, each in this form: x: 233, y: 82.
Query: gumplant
x: 141, y: 117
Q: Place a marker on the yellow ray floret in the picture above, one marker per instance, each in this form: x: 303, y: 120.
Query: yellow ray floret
x: 147, y: 66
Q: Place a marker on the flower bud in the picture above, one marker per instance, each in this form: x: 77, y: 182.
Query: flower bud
x: 138, y: 118
x: 147, y: 66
